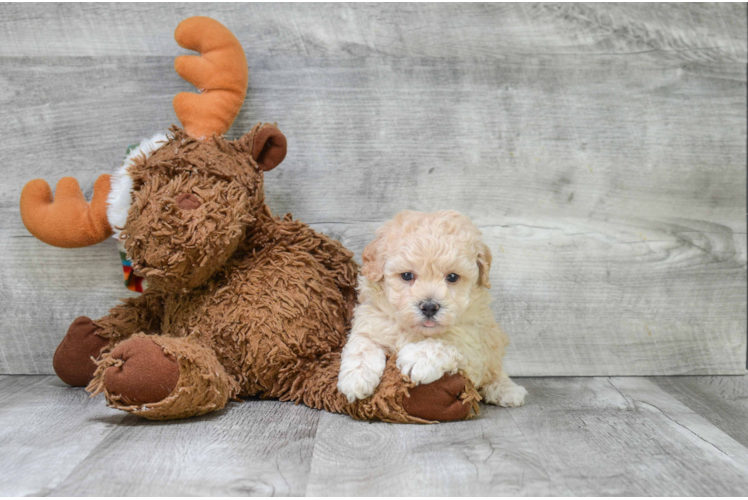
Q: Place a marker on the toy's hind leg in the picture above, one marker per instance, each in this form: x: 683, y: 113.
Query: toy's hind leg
x: 395, y: 400
x: 162, y: 378
x: 504, y: 392
x: 86, y: 339
x: 74, y: 358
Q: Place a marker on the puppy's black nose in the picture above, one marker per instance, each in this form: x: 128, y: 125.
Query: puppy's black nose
x: 429, y: 308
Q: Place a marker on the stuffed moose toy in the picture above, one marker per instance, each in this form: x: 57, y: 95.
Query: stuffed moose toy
x: 239, y: 302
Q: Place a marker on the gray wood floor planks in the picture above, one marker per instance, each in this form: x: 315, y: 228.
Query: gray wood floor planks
x: 720, y: 400
x: 601, y: 149
x: 575, y: 436
x: 46, y: 430
x: 258, y: 448
x: 593, y: 439
x: 489, y: 456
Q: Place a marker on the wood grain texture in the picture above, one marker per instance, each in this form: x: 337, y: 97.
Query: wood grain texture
x: 720, y: 400
x: 575, y: 436
x: 601, y: 149
x: 259, y: 448
x: 46, y: 430
x: 487, y: 456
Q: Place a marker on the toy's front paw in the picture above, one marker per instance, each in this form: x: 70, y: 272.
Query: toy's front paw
x: 427, y: 361
x: 358, y: 379
x: 144, y: 372
x: 438, y: 400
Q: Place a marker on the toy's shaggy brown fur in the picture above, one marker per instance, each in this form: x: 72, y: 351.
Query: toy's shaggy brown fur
x: 248, y: 303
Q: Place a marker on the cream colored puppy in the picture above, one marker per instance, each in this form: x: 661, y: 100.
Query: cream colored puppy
x: 423, y: 294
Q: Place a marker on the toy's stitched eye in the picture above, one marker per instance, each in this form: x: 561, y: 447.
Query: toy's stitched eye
x: 407, y: 276
x: 452, y: 277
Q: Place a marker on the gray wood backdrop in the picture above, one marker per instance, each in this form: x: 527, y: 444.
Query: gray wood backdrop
x: 601, y: 149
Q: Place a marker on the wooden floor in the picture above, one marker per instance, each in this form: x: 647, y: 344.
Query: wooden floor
x: 576, y: 436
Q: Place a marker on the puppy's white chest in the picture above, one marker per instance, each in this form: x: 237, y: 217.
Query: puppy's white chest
x: 476, y: 354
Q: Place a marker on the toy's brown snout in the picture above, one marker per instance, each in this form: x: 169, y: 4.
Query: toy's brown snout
x: 188, y: 201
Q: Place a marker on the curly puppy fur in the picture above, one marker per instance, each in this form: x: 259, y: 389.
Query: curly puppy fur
x: 424, y: 295
x: 242, y: 302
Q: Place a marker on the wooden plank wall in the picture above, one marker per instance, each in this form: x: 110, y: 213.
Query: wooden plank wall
x: 601, y: 148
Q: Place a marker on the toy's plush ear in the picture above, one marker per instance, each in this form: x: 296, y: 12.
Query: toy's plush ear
x: 268, y: 147
x: 484, y: 265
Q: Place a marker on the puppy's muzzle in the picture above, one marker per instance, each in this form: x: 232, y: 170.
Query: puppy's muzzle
x: 429, y: 308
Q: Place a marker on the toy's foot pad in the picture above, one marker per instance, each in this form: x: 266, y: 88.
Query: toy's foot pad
x: 438, y: 400
x: 145, y: 375
x: 72, y: 360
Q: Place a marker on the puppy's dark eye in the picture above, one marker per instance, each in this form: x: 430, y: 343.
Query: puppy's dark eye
x: 452, y: 277
x: 407, y: 276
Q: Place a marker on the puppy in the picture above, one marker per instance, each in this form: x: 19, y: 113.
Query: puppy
x: 423, y: 294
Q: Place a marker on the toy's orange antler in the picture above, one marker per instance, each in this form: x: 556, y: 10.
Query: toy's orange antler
x: 220, y: 73
x: 68, y: 221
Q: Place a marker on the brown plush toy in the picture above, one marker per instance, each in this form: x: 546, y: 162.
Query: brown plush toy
x: 239, y: 302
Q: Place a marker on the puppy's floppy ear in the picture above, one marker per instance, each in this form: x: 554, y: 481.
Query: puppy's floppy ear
x: 373, y: 260
x: 484, y: 265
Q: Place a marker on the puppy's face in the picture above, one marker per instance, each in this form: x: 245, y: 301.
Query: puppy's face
x: 429, y: 267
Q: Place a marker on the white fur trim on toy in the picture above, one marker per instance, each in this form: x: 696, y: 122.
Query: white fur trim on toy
x: 120, y: 198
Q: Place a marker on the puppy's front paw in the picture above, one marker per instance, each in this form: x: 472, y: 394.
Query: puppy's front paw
x: 356, y: 385
x: 505, y: 393
x: 513, y: 396
x: 358, y: 379
x: 428, y: 360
